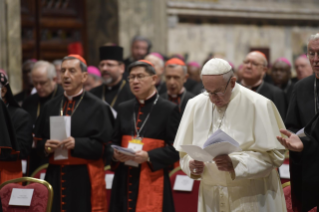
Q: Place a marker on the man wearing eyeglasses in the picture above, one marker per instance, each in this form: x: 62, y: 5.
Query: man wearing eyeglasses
x: 303, y: 107
x: 115, y: 89
x: 255, y: 67
x: 44, y: 79
x: 147, y: 124
x: 241, y: 181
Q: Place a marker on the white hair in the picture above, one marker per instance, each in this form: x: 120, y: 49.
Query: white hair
x: 313, y: 37
x: 57, y: 62
x: 51, y: 72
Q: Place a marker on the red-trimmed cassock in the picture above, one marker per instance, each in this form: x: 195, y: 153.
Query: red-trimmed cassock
x: 78, y: 182
x: 146, y: 187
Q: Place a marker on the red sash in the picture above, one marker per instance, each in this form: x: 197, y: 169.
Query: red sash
x: 151, y: 185
x: 10, y: 170
x: 96, y: 173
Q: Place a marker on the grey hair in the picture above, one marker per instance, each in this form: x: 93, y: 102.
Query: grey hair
x: 57, y: 62
x: 228, y: 75
x: 311, y: 38
x: 82, y: 65
x: 141, y: 38
x: 173, y: 66
x: 51, y: 72
x: 96, y: 78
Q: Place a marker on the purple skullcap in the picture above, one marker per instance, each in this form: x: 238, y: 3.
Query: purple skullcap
x: 285, y: 60
x: 193, y: 63
x: 158, y: 55
x: 240, y: 66
x: 94, y: 71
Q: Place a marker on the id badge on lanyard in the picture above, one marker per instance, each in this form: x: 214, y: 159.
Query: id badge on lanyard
x: 135, y: 144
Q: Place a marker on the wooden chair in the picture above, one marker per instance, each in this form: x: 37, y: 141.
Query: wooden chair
x: 41, y: 200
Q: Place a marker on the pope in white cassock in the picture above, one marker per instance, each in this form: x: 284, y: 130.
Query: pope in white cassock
x: 241, y: 181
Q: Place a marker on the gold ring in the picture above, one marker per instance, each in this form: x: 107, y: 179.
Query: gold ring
x: 49, y: 149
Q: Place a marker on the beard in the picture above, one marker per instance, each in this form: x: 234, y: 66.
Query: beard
x: 107, y: 81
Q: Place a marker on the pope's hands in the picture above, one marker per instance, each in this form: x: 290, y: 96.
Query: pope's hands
x: 196, y: 167
x: 224, y: 163
x: 292, y: 143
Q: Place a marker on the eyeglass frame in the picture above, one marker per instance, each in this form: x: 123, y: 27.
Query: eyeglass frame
x: 221, y: 93
x: 312, y: 56
x: 252, y: 63
x: 131, y: 79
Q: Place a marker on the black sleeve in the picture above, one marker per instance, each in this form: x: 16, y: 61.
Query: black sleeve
x: 40, y: 129
x: 23, y: 128
x: 292, y: 120
x: 280, y: 101
x: 93, y: 147
x: 163, y: 157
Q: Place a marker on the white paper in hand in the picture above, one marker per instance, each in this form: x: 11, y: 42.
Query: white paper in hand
x: 219, y: 143
x: 60, y: 129
x: 21, y: 196
x: 125, y: 151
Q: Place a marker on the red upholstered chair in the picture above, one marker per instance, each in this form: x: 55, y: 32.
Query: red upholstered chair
x: 41, y: 200
x: 40, y: 170
x: 184, y: 201
x: 287, y: 193
x: 108, y: 191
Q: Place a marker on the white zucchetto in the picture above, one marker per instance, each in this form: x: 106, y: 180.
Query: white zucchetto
x: 216, y: 66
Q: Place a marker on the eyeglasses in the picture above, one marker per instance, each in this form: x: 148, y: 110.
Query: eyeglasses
x: 219, y: 94
x: 254, y: 64
x: 312, y: 54
x: 139, y: 77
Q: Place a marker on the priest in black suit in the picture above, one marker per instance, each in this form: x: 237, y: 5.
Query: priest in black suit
x: 44, y: 79
x: 115, y: 89
x: 21, y: 120
x: 176, y: 75
x: 78, y: 181
x: 303, y: 106
x: 141, y: 182
x: 255, y: 66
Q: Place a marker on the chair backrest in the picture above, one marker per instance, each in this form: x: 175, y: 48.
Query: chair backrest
x: 41, y: 200
x: 40, y: 170
x: 184, y: 201
x: 287, y: 193
x: 108, y: 176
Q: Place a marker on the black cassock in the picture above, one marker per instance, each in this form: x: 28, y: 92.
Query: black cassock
x: 33, y: 105
x: 276, y: 95
x: 180, y: 100
x: 310, y: 166
x: 131, y: 185
x: 114, y: 95
x: 161, y: 87
x: 75, y: 181
x: 300, y: 112
x: 193, y: 86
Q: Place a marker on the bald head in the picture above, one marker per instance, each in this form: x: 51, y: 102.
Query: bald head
x: 303, y: 67
x: 158, y: 64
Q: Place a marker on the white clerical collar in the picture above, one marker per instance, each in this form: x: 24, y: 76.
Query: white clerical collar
x: 175, y: 95
x: 71, y: 97
x: 141, y: 101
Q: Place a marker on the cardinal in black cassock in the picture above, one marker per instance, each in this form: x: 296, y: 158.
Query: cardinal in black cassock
x: 153, y: 122
x: 115, y: 88
x: 78, y: 182
x: 302, y: 109
x: 21, y: 120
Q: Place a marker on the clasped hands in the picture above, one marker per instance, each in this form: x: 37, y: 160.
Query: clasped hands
x: 223, y: 163
x: 51, y: 145
x: 140, y: 156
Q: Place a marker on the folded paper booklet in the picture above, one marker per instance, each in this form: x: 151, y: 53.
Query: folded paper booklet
x: 219, y: 143
x: 125, y: 151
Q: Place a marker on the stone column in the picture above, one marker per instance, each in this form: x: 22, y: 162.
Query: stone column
x: 10, y: 42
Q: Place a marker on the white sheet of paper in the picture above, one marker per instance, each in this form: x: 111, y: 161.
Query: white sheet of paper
x: 219, y: 143
x: 24, y: 166
x: 109, y: 181
x: 301, y: 133
x: 60, y: 129
x: 21, y: 196
x: 42, y: 176
x: 284, y: 171
x: 183, y: 183
x: 135, y: 147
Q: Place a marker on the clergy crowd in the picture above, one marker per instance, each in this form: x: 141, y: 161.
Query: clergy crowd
x: 155, y: 105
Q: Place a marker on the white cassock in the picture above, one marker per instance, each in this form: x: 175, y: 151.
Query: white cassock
x: 254, y: 122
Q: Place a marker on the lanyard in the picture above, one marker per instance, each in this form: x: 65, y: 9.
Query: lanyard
x: 144, y: 122
x: 61, y: 112
x: 118, y: 92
